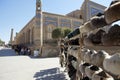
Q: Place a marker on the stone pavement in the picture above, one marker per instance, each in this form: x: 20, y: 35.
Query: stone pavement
x: 15, y: 67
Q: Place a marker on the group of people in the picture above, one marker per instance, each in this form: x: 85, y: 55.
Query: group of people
x: 25, y: 51
x: 22, y: 50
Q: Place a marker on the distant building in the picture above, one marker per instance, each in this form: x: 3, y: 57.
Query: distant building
x: 87, y: 10
x: 30, y: 34
x: 75, y: 14
x: 90, y: 9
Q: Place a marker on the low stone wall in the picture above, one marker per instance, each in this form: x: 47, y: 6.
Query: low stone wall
x: 50, y: 51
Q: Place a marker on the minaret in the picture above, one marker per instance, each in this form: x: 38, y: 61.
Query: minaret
x: 38, y: 12
x: 39, y: 17
x: 38, y: 6
x: 39, y: 23
x: 11, y: 37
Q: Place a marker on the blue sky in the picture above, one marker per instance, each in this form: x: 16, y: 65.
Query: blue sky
x: 17, y: 13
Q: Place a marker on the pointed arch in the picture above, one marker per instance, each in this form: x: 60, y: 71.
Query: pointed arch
x: 50, y: 28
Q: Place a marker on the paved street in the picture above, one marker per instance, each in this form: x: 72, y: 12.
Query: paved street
x: 15, y: 67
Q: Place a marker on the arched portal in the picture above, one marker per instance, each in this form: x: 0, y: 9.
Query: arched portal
x: 50, y: 28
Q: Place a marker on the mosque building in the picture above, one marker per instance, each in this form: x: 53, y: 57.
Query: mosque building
x: 30, y: 35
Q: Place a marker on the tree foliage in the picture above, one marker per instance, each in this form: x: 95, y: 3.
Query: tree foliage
x: 66, y: 31
x: 57, y: 33
x: 60, y: 32
x: 1, y: 42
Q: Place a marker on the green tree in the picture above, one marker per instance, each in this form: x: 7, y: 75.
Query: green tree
x: 57, y: 33
x: 2, y: 42
x: 60, y: 33
x: 66, y: 31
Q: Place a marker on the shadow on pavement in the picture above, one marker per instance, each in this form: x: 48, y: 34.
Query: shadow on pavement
x: 7, y: 52
x: 50, y: 74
